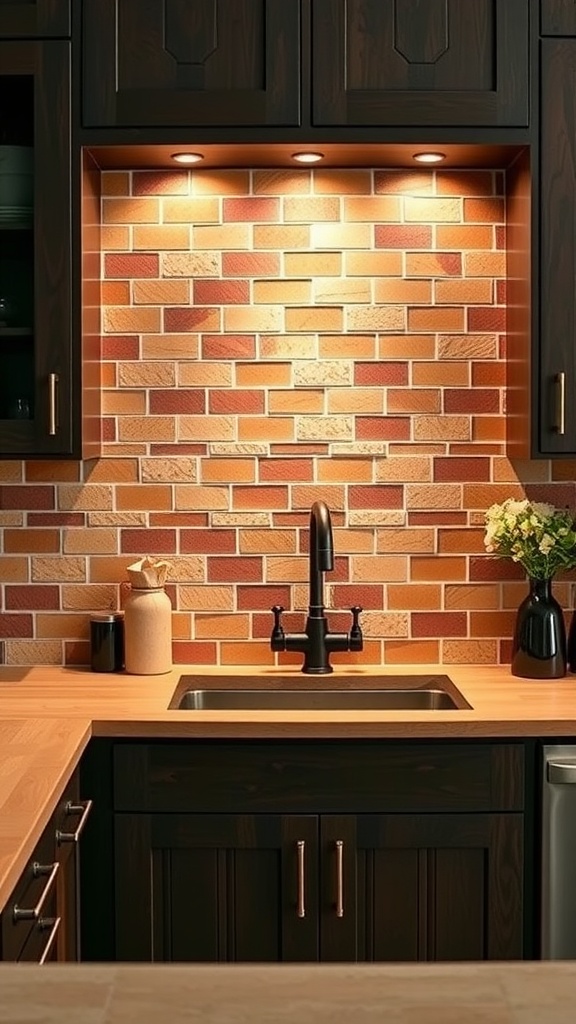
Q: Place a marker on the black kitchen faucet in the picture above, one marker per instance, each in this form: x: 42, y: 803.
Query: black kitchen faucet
x: 317, y: 643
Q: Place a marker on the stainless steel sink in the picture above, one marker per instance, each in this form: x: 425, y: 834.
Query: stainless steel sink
x: 360, y: 693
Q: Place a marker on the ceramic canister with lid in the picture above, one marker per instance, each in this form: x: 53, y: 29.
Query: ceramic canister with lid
x: 148, y: 631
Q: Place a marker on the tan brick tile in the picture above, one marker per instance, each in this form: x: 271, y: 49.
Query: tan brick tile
x: 301, y: 401
x: 485, y: 264
x: 325, y: 428
x: 341, y: 236
x: 115, y: 237
x: 264, y: 428
x: 93, y: 541
x: 411, y: 597
x: 406, y: 540
x: 441, y: 374
x: 227, y: 471
x: 313, y: 264
x: 399, y: 469
x: 122, y: 450
x: 465, y: 183
x: 110, y: 569
x: 205, y: 374
x: 428, y: 209
x: 416, y: 182
x: 124, y: 403
x: 282, y: 292
x: 376, y: 318
x: 170, y: 346
x: 468, y: 346
x: 441, y: 428
x: 335, y: 290
x: 84, y: 497
x: 288, y: 348
x: 146, y: 375
x: 372, y: 208
x: 206, y: 598
x: 33, y: 652
x: 286, y: 569
x: 281, y: 182
x: 430, y: 318
x: 220, y: 183
x: 356, y: 401
x: 200, y: 497
x: 433, y: 496
x: 227, y: 236
x: 11, y: 519
x: 466, y: 291
x: 392, y: 290
x: 153, y: 496
x: 115, y: 293
x: 58, y: 569
x: 347, y: 346
x: 268, y: 542
x: 214, y: 626
x: 402, y: 400
x: 469, y: 236
x: 262, y: 375
x: 345, y: 471
x: 87, y: 597
x: 123, y: 320
x: 373, y: 264
x: 250, y: 318
x: 191, y: 264
x: 471, y: 652
x: 304, y: 495
x: 468, y: 596
x: 530, y: 471
x: 130, y: 211
x: 333, y: 181
x: 162, y: 236
x: 206, y: 428
x: 408, y: 652
x: 312, y: 318
x: 115, y: 183
x: 11, y: 472
x: 166, y: 470
x: 279, y: 236
x: 349, y: 541
x: 385, y: 624
x: 381, y: 568
x: 146, y: 428
x: 311, y: 208
x: 204, y: 210
x: 158, y: 293
x: 433, y: 264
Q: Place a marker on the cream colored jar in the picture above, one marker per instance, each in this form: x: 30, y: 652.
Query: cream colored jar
x: 148, y: 631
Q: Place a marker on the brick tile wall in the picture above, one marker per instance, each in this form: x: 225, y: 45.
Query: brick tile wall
x: 273, y: 337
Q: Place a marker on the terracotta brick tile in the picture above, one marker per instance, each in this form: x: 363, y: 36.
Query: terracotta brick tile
x: 432, y: 624
x: 222, y: 569
x: 177, y: 402
x: 472, y: 652
x: 274, y: 470
x: 120, y: 319
x: 115, y: 183
x: 56, y: 519
x: 161, y: 236
x: 221, y: 237
x: 311, y: 208
x: 371, y: 428
x: 501, y: 292
x: 485, y: 264
x: 255, y: 597
x: 355, y: 400
x: 471, y: 290
x: 391, y: 290
x: 108, y: 380
x: 250, y: 264
x: 254, y: 209
x: 476, y: 449
x: 411, y: 400
x: 333, y: 181
x: 26, y: 497
x: 127, y: 264
x: 492, y: 623
x: 281, y: 182
x: 194, y: 652
x: 224, y: 182
x: 488, y: 211
x: 170, y: 346
x: 159, y: 293
x: 461, y: 541
x: 17, y: 625
x: 464, y: 346
x: 433, y: 264
x: 262, y: 375
x: 488, y: 428
x: 464, y: 183
x: 124, y: 403
x: 342, y: 291
x: 437, y: 518
x: 411, y: 597
x: 13, y: 569
x: 372, y: 209
x: 191, y: 318
x: 373, y: 264
x: 130, y: 211
x: 478, y: 400
x: 229, y: 346
x: 212, y: 541
x: 298, y: 402
x: 251, y: 653
x: 432, y: 318
x: 281, y: 236
x: 467, y: 596
x: 253, y: 318
x: 114, y: 236
x: 312, y: 318
x: 469, y: 236
x: 436, y: 569
x: 432, y: 210
x: 146, y: 428
x: 260, y: 497
x: 416, y: 181
x: 349, y: 346
x: 402, y: 236
x: 238, y: 402
x: 342, y: 236
x: 120, y: 347
x: 460, y: 469
x: 206, y: 428
x: 378, y: 496
x: 115, y: 293
x: 345, y: 595
x: 481, y: 496
x: 152, y: 496
x: 25, y: 541
x: 32, y: 597
x: 484, y: 318
x: 211, y: 293
x: 441, y: 374
x: 162, y: 183
x: 375, y: 374
x: 486, y: 568
x: 313, y: 264
x: 404, y: 468
x: 203, y: 210
x: 160, y: 542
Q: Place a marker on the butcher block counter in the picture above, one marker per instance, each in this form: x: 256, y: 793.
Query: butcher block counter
x: 48, y: 715
x: 321, y: 994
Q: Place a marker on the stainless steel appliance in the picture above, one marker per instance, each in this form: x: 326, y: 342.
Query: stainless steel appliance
x: 559, y: 853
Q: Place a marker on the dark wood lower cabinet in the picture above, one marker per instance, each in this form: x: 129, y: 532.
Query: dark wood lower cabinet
x: 367, y: 887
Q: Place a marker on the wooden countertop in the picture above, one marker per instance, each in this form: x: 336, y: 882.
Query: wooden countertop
x: 48, y: 714
x: 487, y: 993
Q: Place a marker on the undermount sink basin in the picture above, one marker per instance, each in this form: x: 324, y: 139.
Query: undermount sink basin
x: 359, y: 693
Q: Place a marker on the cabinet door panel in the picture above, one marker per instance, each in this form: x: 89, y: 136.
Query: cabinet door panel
x: 191, y: 62
x: 42, y: 18
x: 215, y: 887
x: 420, y: 62
x: 557, y: 18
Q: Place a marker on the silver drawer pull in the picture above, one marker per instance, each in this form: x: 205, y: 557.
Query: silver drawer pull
x: 301, y: 905
x: 339, y: 878
x: 560, y: 403
x: 52, y: 403
x: 33, y: 913
x: 561, y: 772
x: 54, y: 924
x: 82, y: 808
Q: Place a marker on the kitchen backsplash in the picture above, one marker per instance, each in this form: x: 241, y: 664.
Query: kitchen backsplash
x: 273, y: 337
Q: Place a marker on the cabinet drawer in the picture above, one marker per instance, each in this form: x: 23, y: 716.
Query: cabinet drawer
x: 557, y: 18
x: 35, y: 890
x: 318, y: 777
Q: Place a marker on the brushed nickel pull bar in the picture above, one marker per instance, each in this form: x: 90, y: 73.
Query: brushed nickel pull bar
x: 52, y: 403
x: 45, y: 922
x: 339, y: 878
x: 33, y: 913
x: 82, y: 808
x: 301, y: 904
x: 560, y: 403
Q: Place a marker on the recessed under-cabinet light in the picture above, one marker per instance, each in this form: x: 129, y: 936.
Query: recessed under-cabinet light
x: 308, y: 158
x: 187, y: 158
x: 429, y: 158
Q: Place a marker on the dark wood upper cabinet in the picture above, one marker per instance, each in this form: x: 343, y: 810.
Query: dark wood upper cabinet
x: 29, y: 18
x: 171, y: 63
x: 557, y: 17
x: 420, y: 62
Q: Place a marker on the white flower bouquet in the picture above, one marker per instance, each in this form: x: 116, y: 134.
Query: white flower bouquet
x: 535, y: 534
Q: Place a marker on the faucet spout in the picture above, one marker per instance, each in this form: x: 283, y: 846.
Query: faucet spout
x: 321, y: 555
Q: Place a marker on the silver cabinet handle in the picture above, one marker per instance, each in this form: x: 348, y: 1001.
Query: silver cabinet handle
x: 300, y: 901
x: 339, y: 878
x: 562, y: 772
x: 46, y: 922
x: 33, y: 913
x: 560, y: 403
x: 82, y: 808
x: 52, y: 403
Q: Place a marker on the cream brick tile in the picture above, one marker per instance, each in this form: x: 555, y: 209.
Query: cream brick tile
x: 168, y: 470
x: 241, y: 519
x: 128, y: 320
x: 428, y: 209
x: 85, y: 497
x: 376, y: 624
x: 147, y: 428
x: 341, y: 236
x: 324, y: 428
x: 441, y: 428
x: 433, y: 496
x: 296, y: 401
x: 470, y: 652
x: 170, y: 346
x: 11, y: 519
x: 93, y: 541
x: 314, y: 318
x: 146, y: 375
x: 187, y: 569
x: 356, y: 401
x: 34, y: 652
x: 89, y: 597
x: 191, y: 264
x: 325, y: 373
x: 467, y: 346
x: 405, y: 540
x: 402, y: 469
x: 374, y: 264
x: 58, y: 569
x: 201, y: 498
x: 206, y: 428
x: 205, y: 210
x: 216, y: 375
x: 377, y: 517
x: 281, y: 236
x: 117, y: 518
x: 194, y: 598
x: 253, y: 318
x: 379, y: 568
x: 337, y: 290
x: 282, y: 292
x: 161, y: 293
x: 376, y: 318
x: 313, y: 264
x: 160, y: 237
x: 228, y: 236
x: 288, y: 348
x: 359, y: 448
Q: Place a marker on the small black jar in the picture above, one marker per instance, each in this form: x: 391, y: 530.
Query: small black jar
x: 107, y: 642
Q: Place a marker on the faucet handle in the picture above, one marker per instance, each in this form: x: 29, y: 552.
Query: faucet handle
x: 277, y: 630
x: 356, y: 636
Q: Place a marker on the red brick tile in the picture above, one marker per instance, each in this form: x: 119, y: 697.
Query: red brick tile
x: 159, y: 183
x: 456, y: 470
x: 501, y: 293
x: 486, y: 318
x: 76, y: 652
x: 437, y: 518
x: 178, y: 401
x: 500, y: 233
x: 471, y: 400
x: 200, y: 542
x: 194, y: 652
x: 247, y: 569
x: 399, y: 236
x: 33, y: 497
x: 368, y: 596
x: 438, y: 624
x: 377, y: 374
x: 250, y: 264
x: 191, y: 318
x: 163, y: 541
x: 242, y: 402
x: 178, y: 449
x: 382, y: 428
x: 484, y: 568
x: 218, y: 293
x: 56, y: 519
x: 15, y: 625
x: 131, y: 264
x: 256, y: 209
x: 252, y: 598
x: 32, y: 597
x: 228, y: 346
x: 119, y: 346
x: 286, y: 469
x: 180, y: 519
x: 380, y: 496
x: 562, y: 495
x: 398, y: 181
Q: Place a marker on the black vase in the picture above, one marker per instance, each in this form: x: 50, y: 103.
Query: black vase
x: 539, y: 646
